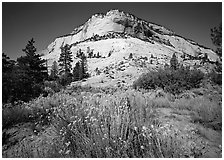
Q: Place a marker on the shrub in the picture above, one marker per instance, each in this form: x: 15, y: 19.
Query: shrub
x: 14, y: 114
x: 54, y: 85
x: 215, y: 77
x: 38, y: 110
x: 174, y: 62
x: 65, y: 79
x: 173, y: 81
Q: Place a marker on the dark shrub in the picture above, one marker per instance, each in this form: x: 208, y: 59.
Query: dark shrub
x: 215, y: 77
x: 65, y: 79
x: 54, y: 85
x: 173, y: 81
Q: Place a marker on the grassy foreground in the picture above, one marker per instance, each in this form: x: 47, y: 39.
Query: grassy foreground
x: 122, y: 123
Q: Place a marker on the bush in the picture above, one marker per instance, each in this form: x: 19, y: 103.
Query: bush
x: 14, y: 114
x: 173, y: 81
x: 37, y: 110
x: 21, y: 113
x: 65, y: 79
x: 215, y: 77
x: 54, y: 85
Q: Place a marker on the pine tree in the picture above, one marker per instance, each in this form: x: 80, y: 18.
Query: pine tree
x: 54, y: 71
x: 32, y: 63
x: 7, y: 78
x: 174, y: 62
x: 29, y: 74
x: 109, y: 54
x: 7, y: 64
x: 97, y: 71
x: 152, y: 56
x: 65, y: 60
x: 91, y: 54
x: 130, y: 56
x: 79, y: 53
x: 88, y: 52
x: 98, y: 55
x: 76, y: 70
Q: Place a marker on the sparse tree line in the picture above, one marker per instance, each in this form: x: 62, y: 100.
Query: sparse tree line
x: 66, y: 74
x: 96, y: 37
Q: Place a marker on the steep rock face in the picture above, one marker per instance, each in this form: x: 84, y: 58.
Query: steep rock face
x: 121, y: 34
x: 116, y: 21
x: 112, y: 21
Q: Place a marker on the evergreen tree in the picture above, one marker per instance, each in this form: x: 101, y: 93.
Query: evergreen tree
x: 30, y: 73
x: 76, y: 70
x: 109, y: 54
x: 174, y: 62
x: 97, y: 71
x: 54, y: 71
x: 7, y: 64
x: 216, y: 36
x: 90, y: 54
x: 79, y: 53
x: 130, y: 56
x: 25, y: 77
x: 7, y: 78
x: 152, y: 56
x: 98, y: 55
x: 32, y: 64
x: 65, y: 60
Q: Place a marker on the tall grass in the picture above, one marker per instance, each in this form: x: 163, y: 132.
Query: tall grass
x: 122, y: 124
x: 117, y: 124
x: 204, y: 111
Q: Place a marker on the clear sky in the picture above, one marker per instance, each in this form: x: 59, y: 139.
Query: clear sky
x: 45, y: 21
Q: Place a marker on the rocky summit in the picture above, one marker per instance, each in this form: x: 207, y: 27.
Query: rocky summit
x: 126, y: 47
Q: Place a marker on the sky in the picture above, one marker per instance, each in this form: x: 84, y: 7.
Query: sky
x: 44, y: 21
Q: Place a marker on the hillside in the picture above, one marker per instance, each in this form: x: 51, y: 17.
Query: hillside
x: 120, y: 34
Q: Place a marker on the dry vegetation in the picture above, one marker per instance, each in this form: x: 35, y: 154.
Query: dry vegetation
x: 91, y: 122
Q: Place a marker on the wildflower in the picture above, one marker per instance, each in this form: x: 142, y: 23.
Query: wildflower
x: 69, y: 124
x: 135, y: 128
x: 144, y: 128
x: 67, y: 152
x: 142, y: 147
x: 67, y: 144
x: 60, y: 151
